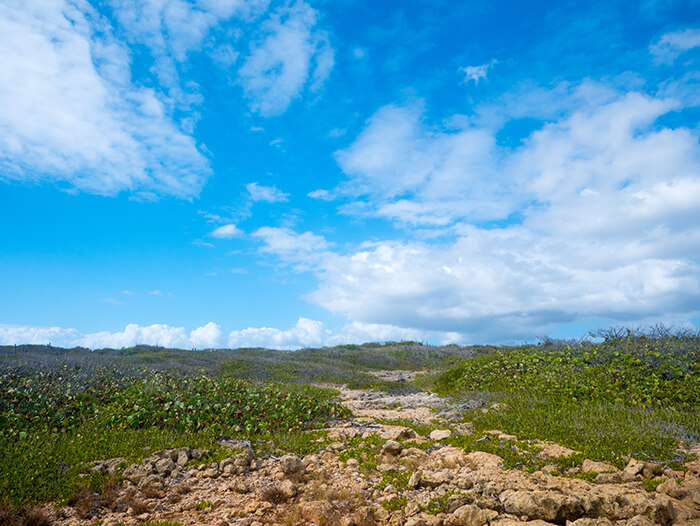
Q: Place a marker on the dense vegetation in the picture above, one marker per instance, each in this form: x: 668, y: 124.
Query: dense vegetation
x: 633, y: 393
x: 350, y: 364
x: 53, y: 421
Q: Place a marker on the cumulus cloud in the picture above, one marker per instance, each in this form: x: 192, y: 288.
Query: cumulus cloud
x: 311, y: 333
x: 667, y: 48
x: 72, y: 116
x: 226, y: 231
x: 291, y: 53
x: 594, y: 215
x: 269, y: 194
x: 206, y: 336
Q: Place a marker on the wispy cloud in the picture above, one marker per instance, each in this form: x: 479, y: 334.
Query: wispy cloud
x: 269, y: 194
x: 477, y: 72
x: 71, y: 114
x: 323, y: 195
x: 291, y: 53
x: 667, y: 48
x: 128, y: 292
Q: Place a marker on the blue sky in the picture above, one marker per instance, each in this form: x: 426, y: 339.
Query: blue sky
x: 211, y: 173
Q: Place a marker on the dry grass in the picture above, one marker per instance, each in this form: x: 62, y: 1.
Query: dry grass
x: 132, y: 500
x: 274, y: 495
x: 23, y: 516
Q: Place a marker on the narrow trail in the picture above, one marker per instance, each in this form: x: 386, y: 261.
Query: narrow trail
x: 368, y: 471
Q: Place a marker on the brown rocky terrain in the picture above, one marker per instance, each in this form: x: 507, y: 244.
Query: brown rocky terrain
x: 401, y: 478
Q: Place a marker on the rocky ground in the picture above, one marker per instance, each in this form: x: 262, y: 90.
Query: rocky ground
x: 368, y: 473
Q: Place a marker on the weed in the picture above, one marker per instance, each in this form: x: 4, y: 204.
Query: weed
x: 364, y: 450
x: 205, y: 505
x: 397, y: 479
x: 651, y: 485
x: 397, y: 503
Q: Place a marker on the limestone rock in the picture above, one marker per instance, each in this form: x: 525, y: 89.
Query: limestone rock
x: 546, y: 505
x: 135, y: 472
x: 392, y: 447
x: 440, y: 434
x: 165, y: 466
x: 597, y: 467
x: 469, y: 515
x: 397, y: 433
x: 483, y: 460
x: 290, y: 464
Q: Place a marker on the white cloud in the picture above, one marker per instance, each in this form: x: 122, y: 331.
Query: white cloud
x: 311, y: 333
x: 416, y: 174
x: 671, y: 45
x: 269, y: 194
x: 301, y: 250
x: 206, y: 336
x: 164, y: 335
x: 323, y: 195
x: 306, y: 333
x: 173, y: 30
x: 128, y: 292
x: 226, y: 232
x: 156, y: 293
x: 38, y: 336
x: 594, y: 215
x: 476, y: 72
x: 71, y: 115
x: 278, y: 66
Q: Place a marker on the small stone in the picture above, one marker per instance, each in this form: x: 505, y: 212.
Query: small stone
x: 392, y: 447
x: 640, y: 520
x: 182, y: 458
x: 672, y: 489
x: 165, y: 466
x: 199, y: 454
x: 597, y: 467
x: 151, y: 482
x: 483, y: 460
x: 469, y: 515
x: 634, y: 467
x: 440, y: 434
x: 414, y: 481
x: 290, y: 464
x: 288, y: 488
x: 135, y: 472
x: 210, y: 473
x: 652, y: 470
